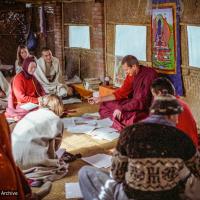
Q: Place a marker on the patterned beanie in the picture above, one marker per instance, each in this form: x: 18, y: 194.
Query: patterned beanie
x: 165, y: 104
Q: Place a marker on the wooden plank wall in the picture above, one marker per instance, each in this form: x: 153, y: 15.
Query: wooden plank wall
x: 84, y: 62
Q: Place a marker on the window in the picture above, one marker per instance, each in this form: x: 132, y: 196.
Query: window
x: 194, y: 45
x: 131, y: 40
x: 79, y: 36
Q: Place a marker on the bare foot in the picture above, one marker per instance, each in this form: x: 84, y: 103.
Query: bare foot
x: 2, y: 94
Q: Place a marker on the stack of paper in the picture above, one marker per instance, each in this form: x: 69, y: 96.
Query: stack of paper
x: 72, y: 191
x: 91, y: 83
x: 98, y: 129
x: 71, y: 101
x: 29, y: 106
x: 99, y: 160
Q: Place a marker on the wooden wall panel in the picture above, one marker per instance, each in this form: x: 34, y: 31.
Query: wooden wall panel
x: 129, y: 11
x: 80, y: 62
x: 191, y: 11
x: 80, y: 12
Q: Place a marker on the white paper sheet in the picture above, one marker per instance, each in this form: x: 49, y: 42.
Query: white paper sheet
x: 60, y: 152
x: 107, y: 136
x: 81, y: 129
x: 10, y: 120
x: 29, y: 106
x: 84, y: 120
x: 94, y: 115
x: 104, y: 123
x: 72, y: 191
x: 103, y: 130
x: 71, y: 101
x: 68, y: 122
x: 99, y: 160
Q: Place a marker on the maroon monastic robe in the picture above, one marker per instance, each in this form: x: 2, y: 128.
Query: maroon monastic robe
x: 137, y: 106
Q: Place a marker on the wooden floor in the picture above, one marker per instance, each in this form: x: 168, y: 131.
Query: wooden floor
x: 78, y: 143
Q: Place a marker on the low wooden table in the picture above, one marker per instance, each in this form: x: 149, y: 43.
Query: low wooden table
x: 105, y: 90
x: 80, y: 89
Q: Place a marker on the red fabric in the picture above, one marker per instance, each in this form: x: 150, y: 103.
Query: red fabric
x: 12, y: 178
x: 126, y: 89
x: 22, y: 91
x: 187, y: 122
x: 135, y: 108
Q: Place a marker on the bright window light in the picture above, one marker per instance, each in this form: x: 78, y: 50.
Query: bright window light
x: 131, y: 40
x: 193, y: 45
x: 79, y: 36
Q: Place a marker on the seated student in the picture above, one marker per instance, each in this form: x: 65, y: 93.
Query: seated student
x: 149, y: 162
x: 38, y: 135
x: 186, y: 120
x: 4, y: 87
x: 12, y: 179
x: 131, y: 102
x: 22, y: 54
x: 24, y: 89
x: 49, y: 74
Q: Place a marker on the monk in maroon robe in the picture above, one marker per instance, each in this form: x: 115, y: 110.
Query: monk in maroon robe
x: 130, y: 103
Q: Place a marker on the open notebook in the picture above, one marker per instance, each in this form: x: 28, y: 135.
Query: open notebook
x: 29, y: 106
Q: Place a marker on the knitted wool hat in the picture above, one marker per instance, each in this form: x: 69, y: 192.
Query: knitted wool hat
x: 165, y: 104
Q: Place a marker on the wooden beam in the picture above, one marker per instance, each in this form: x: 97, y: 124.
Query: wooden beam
x: 38, y: 1
x: 56, y: 1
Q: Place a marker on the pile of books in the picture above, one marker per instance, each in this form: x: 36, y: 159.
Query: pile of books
x: 91, y: 83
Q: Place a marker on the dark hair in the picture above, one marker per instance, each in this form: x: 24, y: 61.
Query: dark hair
x: 45, y: 49
x: 161, y: 84
x: 130, y: 60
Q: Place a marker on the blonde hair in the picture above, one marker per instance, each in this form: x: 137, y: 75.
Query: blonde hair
x: 19, y: 58
x: 53, y: 103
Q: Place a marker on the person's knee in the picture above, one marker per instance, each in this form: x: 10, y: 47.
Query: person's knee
x: 84, y: 171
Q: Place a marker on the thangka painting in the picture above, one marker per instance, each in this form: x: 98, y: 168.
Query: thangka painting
x: 119, y: 74
x: 163, y: 27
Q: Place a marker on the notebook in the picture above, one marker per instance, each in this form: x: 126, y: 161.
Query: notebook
x: 29, y: 106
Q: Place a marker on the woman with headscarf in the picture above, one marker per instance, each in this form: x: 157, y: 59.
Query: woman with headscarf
x: 24, y: 89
